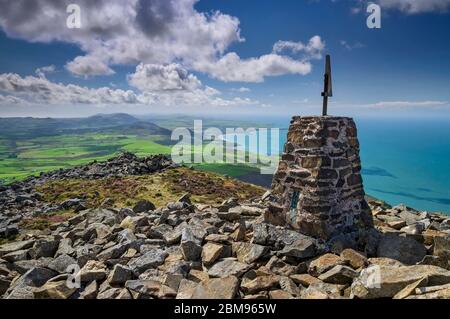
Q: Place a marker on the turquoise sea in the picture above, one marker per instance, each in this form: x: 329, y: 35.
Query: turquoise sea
x: 404, y: 160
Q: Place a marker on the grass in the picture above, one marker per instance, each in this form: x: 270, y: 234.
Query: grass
x: 160, y: 188
x: 22, y: 158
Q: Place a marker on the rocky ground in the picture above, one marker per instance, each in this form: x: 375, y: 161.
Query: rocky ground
x: 193, y: 250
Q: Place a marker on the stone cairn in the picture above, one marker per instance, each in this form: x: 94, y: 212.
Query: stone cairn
x: 318, y: 188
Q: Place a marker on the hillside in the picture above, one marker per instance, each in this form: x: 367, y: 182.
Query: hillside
x: 143, y: 228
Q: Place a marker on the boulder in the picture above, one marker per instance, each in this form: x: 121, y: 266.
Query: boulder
x: 260, y: 283
x: 145, y: 289
x: 143, y: 206
x: 406, y: 250
x: 119, y: 275
x: 54, y: 290
x: 354, y: 258
x: 211, y: 252
x: 324, y: 263
x: 190, y: 246
x: 61, y: 263
x: 248, y: 253
x: 339, y: 274
x: 228, y: 267
x: 18, y: 245
x: 92, y: 270
x: 304, y: 279
x: 151, y: 259
x: 386, y: 281
x: 302, y: 248
x: 217, y: 288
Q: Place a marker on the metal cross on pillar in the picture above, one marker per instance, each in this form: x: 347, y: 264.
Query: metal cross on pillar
x: 327, y: 89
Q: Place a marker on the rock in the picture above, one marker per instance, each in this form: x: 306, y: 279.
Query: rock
x: 143, y: 206
x: 172, y: 280
x: 54, y: 290
x: 239, y: 233
x: 228, y: 267
x: 36, y: 277
x: 61, y: 263
x: 44, y: 248
x: 288, y: 285
x: 132, y: 222
x: 279, y: 267
x: 382, y: 261
x: 90, y: 292
x: 65, y: 248
x: 119, y: 275
x: 410, y: 289
x: 442, y: 246
x: 150, y: 288
x: 17, y: 255
x: 211, y: 252
x: 340, y: 275
x: 93, y: 270
x: 198, y: 275
x: 18, y: 245
x: 4, y: 285
x: 260, y: 283
x: 441, y: 294
x: 301, y: 248
x: 323, y: 290
x: 248, y: 253
x: 190, y: 246
x: 414, y: 229
x: 304, y: 279
x: 354, y: 258
x: 280, y: 294
x: 216, y: 288
x: 324, y: 263
x: 406, y: 250
x: 387, y: 281
x: 442, y: 262
x: 186, y: 289
x: 151, y: 259
x: 231, y: 215
x: 110, y: 293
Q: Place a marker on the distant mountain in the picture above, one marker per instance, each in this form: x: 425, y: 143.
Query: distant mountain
x: 33, y: 127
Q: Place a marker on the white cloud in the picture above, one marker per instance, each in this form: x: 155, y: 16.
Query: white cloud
x: 42, y: 71
x: 116, y: 32
x: 169, y: 85
x: 312, y: 50
x: 88, y: 66
x: 231, y: 67
x: 241, y: 90
x: 42, y: 91
x: 154, y: 77
x: 408, y: 104
x: 350, y: 47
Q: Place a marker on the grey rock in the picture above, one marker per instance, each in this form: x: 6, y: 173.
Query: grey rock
x: 341, y: 275
x: 406, y: 250
x: 143, y: 206
x: 190, y: 246
x: 228, y: 267
x: 61, y: 263
x: 301, y: 248
x: 249, y: 253
x: 120, y: 274
x: 150, y: 259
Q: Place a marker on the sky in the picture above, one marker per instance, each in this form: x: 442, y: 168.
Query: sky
x: 209, y: 57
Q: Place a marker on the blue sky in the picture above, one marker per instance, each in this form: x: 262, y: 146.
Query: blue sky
x: 218, y: 57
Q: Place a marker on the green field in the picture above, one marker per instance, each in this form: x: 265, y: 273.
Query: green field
x: 29, y: 146
x: 19, y: 159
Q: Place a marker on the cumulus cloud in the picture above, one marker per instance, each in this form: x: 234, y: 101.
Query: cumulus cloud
x: 41, y: 72
x: 313, y: 49
x: 88, y: 66
x: 161, y: 85
x: 42, y: 91
x: 155, y: 32
x: 154, y: 77
x: 232, y: 68
x: 241, y: 90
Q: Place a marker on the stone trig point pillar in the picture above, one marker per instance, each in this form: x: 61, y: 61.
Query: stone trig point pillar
x: 318, y: 183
